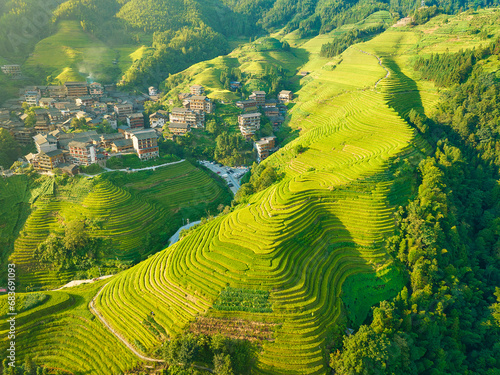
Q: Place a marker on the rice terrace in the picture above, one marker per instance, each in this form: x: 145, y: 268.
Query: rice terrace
x: 365, y: 243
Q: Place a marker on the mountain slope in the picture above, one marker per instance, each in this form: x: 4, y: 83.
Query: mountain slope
x: 314, y: 240
x: 133, y: 222
x: 324, y: 222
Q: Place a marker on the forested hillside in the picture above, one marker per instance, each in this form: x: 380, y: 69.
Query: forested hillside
x: 152, y: 39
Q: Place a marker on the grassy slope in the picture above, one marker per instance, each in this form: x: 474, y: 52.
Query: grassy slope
x: 128, y: 214
x: 302, y: 238
x: 246, y: 58
x: 71, y: 51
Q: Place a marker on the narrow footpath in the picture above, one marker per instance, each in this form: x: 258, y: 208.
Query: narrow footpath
x: 379, y: 62
x: 107, y: 170
x: 94, y: 311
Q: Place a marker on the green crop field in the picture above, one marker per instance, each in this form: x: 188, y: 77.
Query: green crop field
x: 304, y: 255
x: 72, y: 54
x: 150, y: 202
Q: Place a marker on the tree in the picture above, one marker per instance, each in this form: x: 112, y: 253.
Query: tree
x: 79, y: 123
x: 10, y: 150
x: 368, y: 352
x: 222, y: 364
x: 75, y: 236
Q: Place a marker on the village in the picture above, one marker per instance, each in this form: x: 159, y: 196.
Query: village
x: 57, y: 113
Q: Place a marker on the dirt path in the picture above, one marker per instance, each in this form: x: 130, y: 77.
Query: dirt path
x: 379, y: 62
x: 79, y: 282
x: 107, y: 170
x: 94, y: 311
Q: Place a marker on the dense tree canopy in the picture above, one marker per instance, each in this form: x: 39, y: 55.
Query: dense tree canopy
x: 10, y: 150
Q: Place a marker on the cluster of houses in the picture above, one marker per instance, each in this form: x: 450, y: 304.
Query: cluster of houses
x: 13, y: 71
x: 196, y: 105
x: 192, y: 114
x: 69, y: 151
x: 58, y: 106
x: 249, y: 122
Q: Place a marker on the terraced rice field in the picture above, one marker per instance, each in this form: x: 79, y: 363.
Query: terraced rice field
x: 312, y: 243
x: 14, y: 208
x: 179, y: 185
x: 324, y: 222
x: 147, y: 204
x: 62, y: 334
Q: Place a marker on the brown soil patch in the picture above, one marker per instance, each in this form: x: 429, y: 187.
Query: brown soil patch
x: 234, y: 328
x: 431, y: 31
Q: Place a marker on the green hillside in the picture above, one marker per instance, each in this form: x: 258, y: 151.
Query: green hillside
x: 72, y: 55
x: 133, y: 223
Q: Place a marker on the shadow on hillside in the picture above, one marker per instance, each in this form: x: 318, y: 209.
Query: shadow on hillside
x: 302, y: 56
x: 321, y: 249
x: 409, y: 97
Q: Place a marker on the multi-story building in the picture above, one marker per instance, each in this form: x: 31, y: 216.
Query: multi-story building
x: 32, y: 97
x: 46, y: 102
x: 246, y: 104
x: 276, y: 122
x: 146, y: 144
x: 265, y: 146
x: 123, y: 110
x: 285, y: 96
x: 46, y: 161
x: 96, y: 90
x: 271, y: 111
x: 188, y: 116
x: 56, y: 91
x: 23, y: 135
x: 13, y: 71
x: 42, y: 124
x: 158, y: 119
x: 55, y: 115
x: 179, y: 128
x: 259, y: 97
x: 197, y: 90
x: 85, y: 100
x: 45, y: 143
x: 106, y: 140
x: 135, y: 121
x: 249, y: 124
x: 82, y: 153
x: 76, y: 89
x: 122, y: 145
x: 200, y: 104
